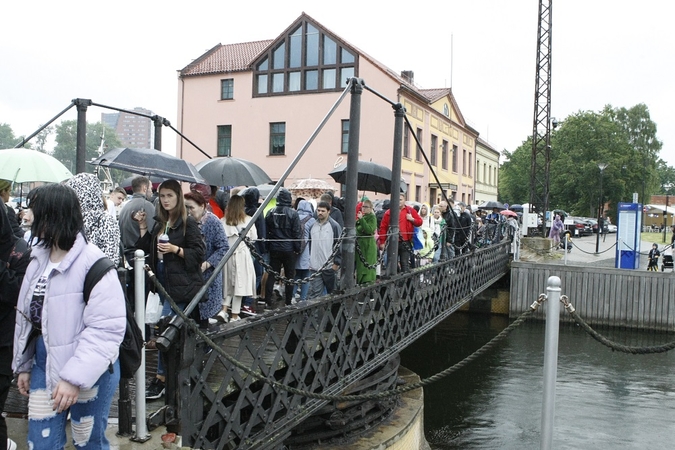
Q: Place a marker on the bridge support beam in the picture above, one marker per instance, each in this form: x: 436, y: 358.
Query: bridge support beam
x: 392, y: 247
x: 349, y: 244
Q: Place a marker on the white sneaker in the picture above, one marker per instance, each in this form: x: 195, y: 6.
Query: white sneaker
x: 222, y: 316
x: 11, y: 445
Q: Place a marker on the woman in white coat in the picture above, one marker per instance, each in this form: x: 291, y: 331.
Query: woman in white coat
x: 239, y: 270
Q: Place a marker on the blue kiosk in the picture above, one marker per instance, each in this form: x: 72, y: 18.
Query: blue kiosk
x: 629, y: 228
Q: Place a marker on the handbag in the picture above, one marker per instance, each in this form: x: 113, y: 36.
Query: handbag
x: 153, y: 308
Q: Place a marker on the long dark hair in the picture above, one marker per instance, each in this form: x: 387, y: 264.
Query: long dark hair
x: 181, y: 212
x: 57, y: 216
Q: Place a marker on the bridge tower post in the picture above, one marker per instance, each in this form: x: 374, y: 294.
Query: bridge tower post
x: 392, y: 247
x: 541, y: 130
x: 81, y: 140
x: 351, y: 193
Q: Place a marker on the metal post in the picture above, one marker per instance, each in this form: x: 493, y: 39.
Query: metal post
x: 81, y: 141
x: 602, y: 167
x: 142, y: 434
x: 392, y: 248
x: 550, y: 361
x: 665, y: 220
x: 158, y: 122
x: 348, y: 244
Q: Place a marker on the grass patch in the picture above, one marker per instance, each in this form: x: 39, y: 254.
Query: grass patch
x: 656, y: 237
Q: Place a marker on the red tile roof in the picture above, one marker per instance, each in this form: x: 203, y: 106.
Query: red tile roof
x: 435, y: 94
x: 226, y: 58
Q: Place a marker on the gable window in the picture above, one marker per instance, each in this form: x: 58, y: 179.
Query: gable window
x: 278, y: 138
x: 444, y: 155
x: 305, y: 60
x: 224, y: 140
x: 434, y: 150
x: 227, y: 89
x: 344, y: 148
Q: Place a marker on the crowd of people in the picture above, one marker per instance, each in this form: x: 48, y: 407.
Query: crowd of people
x: 292, y: 253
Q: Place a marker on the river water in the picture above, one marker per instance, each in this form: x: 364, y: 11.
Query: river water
x: 604, y: 399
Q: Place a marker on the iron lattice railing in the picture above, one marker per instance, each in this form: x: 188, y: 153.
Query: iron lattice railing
x: 319, y: 346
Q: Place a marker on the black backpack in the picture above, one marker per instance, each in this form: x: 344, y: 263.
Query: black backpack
x: 132, y: 344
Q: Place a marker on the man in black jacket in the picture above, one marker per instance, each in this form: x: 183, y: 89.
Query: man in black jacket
x: 252, y: 203
x: 451, y: 226
x: 284, y: 236
x: 463, y: 233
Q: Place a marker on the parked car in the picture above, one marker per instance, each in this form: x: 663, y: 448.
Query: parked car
x: 611, y: 228
x: 580, y: 227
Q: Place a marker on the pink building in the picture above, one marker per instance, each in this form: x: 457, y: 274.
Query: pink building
x: 261, y: 101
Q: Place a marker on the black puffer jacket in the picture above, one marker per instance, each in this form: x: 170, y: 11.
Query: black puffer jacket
x: 284, y: 233
x: 183, y: 275
x: 251, y: 205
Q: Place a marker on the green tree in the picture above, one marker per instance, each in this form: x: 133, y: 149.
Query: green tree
x: 7, y: 138
x: 514, y: 174
x: 666, y: 176
x: 66, y: 144
x: 41, y: 139
x: 624, y: 139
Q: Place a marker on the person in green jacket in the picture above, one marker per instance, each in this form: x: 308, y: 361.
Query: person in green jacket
x: 366, y: 224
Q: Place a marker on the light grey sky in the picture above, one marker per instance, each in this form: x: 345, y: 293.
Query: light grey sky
x: 126, y: 54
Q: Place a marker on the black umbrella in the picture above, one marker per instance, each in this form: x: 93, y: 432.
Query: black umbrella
x: 148, y: 162
x: 126, y: 183
x: 229, y: 171
x: 372, y: 177
x: 491, y: 205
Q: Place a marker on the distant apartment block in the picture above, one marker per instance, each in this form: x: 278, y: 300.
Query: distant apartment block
x: 132, y: 130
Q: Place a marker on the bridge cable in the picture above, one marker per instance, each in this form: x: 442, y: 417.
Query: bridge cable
x: 343, y: 398
x: 609, y: 343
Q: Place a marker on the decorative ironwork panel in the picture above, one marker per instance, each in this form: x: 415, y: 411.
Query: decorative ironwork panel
x: 321, y: 346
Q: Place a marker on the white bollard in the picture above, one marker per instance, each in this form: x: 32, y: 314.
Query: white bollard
x: 550, y: 361
x: 142, y: 434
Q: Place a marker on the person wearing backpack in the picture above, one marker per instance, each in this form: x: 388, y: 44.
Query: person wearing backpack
x: 65, y: 350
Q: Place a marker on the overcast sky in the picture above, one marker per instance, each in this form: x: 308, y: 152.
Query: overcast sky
x: 126, y: 54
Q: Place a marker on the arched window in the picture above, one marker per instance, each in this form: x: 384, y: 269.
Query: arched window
x: 306, y: 60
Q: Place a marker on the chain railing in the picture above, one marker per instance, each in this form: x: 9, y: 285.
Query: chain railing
x: 247, y: 384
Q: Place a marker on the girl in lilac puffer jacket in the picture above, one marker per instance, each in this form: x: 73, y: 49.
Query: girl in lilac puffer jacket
x: 65, y: 352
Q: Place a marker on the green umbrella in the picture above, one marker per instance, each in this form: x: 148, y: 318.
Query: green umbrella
x: 23, y: 165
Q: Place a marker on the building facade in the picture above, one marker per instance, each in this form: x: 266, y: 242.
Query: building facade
x: 487, y: 172
x: 262, y: 101
x: 132, y: 130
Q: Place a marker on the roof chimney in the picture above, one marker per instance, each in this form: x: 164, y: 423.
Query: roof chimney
x: 408, y: 75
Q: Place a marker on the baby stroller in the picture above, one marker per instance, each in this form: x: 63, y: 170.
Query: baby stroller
x: 667, y: 262
x: 566, y: 241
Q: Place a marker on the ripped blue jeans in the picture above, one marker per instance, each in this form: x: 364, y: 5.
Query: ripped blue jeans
x: 88, y: 417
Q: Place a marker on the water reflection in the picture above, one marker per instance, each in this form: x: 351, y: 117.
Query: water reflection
x: 604, y: 399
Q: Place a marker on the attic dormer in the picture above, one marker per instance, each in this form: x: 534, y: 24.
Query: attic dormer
x: 305, y: 58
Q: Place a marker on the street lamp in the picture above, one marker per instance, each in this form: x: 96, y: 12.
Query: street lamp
x: 602, y: 167
x: 667, y: 188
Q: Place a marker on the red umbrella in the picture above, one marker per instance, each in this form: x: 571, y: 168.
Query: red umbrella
x: 508, y: 212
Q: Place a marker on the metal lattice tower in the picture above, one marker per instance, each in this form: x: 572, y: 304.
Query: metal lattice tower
x: 541, y: 133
